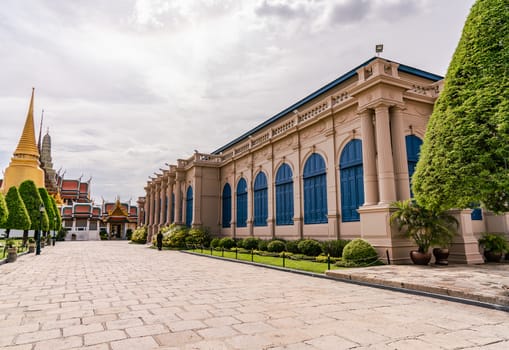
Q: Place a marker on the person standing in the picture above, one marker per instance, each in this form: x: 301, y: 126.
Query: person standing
x: 159, y: 241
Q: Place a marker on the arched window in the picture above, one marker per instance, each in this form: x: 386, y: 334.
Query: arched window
x: 227, y: 205
x: 260, y: 200
x: 315, y: 190
x: 189, y: 206
x: 284, y: 195
x: 413, y: 148
x: 352, y: 183
x: 242, y: 203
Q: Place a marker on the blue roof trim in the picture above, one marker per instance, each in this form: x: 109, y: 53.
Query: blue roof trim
x: 332, y: 84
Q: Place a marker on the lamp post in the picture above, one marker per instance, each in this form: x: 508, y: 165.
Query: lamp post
x: 54, y: 228
x: 38, y: 238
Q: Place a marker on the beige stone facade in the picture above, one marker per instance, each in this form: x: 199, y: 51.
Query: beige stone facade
x: 348, y: 150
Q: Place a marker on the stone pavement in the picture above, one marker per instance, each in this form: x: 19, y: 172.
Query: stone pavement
x: 487, y: 283
x: 112, y: 295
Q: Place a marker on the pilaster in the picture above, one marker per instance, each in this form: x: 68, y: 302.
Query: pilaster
x: 384, y: 153
x: 399, y: 153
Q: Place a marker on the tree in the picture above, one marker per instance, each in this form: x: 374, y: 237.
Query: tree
x: 48, y: 207
x: 4, y: 211
x: 33, y: 201
x: 58, y: 223
x: 18, y: 218
x: 465, y: 154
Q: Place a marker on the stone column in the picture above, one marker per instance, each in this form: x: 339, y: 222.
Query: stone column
x: 157, y: 200
x: 369, y: 159
x: 169, y: 192
x: 163, y: 209
x: 399, y: 154
x: 197, y: 194
x: 178, y: 199
x: 385, y: 161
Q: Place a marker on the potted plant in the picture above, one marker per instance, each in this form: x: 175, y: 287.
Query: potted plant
x: 425, y: 226
x: 31, y: 245
x: 12, y: 250
x: 495, y: 245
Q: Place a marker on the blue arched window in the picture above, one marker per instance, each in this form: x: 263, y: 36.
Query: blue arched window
x: 260, y: 200
x: 172, y: 212
x: 284, y: 195
x: 352, y: 183
x: 189, y: 206
x: 227, y: 205
x: 315, y: 190
x: 242, y: 203
x: 413, y: 148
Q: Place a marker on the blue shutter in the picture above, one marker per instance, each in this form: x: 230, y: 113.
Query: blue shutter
x: 351, y: 181
x: 189, y: 206
x: 413, y: 148
x: 315, y: 190
x: 242, y: 203
x: 284, y: 195
x: 227, y: 205
x: 260, y: 200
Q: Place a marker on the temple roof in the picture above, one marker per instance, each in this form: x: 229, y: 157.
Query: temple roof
x: 27, y: 144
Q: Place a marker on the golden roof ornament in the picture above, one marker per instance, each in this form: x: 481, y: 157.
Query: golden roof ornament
x: 27, y: 145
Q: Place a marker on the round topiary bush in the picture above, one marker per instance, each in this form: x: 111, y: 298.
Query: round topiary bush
x: 262, y: 245
x: 310, y: 247
x: 198, y: 236
x: 293, y: 247
x: 250, y: 243
x: 276, y: 246
x: 359, y: 251
x: 139, y: 235
x: 226, y: 243
x: 335, y: 247
x: 214, y: 243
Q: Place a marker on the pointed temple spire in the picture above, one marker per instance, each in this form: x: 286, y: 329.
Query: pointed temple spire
x: 40, y: 132
x: 27, y: 145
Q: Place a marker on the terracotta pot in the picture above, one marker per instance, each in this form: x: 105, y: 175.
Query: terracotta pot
x: 441, y: 255
x: 492, y: 256
x: 419, y: 258
x: 12, y: 254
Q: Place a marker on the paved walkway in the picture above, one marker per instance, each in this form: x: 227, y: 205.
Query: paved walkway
x: 487, y: 283
x: 112, y: 295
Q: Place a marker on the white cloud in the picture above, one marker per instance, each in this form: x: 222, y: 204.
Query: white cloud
x: 130, y: 85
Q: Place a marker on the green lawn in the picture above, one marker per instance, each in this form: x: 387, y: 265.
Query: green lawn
x: 303, y: 265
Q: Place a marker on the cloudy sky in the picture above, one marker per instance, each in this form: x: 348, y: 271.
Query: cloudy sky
x: 128, y: 85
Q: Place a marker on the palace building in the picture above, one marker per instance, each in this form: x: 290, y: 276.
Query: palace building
x: 327, y: 167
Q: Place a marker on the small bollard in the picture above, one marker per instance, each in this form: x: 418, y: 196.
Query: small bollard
x: 284, y: 263
x: 211, y: 251
x: 236, y: 252
x: 201, y: 249
x: 222, y: 252
x: 328, y: 261
x: 251, y: 255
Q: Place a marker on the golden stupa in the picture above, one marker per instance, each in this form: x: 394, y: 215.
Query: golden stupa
x: 25, y: 160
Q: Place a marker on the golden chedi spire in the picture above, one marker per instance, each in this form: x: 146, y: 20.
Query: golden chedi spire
x: 27, y: 145
x: 25, y: 160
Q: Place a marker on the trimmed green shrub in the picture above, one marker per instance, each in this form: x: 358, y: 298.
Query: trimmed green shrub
x: 128, y: 233
x: 18, y: 217
x: 198, y: 236
x: 214, y: 243
x: 139, y: 235
x: 250, y: 243
x: 262, y: 245
x: 276, y: 246
x: 359, y: 253
x: 103, y: 234
x: 310, y: 247
x: 334, y: 247
x: 226, y: 243
x: 4, y: 212
x: 293, y: 246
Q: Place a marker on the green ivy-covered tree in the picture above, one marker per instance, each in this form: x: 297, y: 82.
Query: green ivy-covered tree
x: 33, y: 201
x: 57, y: 224
x: 465, y: 155
x: 48, y: 207
x: 4, y: 212
x: 18, y: 218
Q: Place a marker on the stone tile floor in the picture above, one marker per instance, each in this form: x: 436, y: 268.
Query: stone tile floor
x: 113, y: 295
